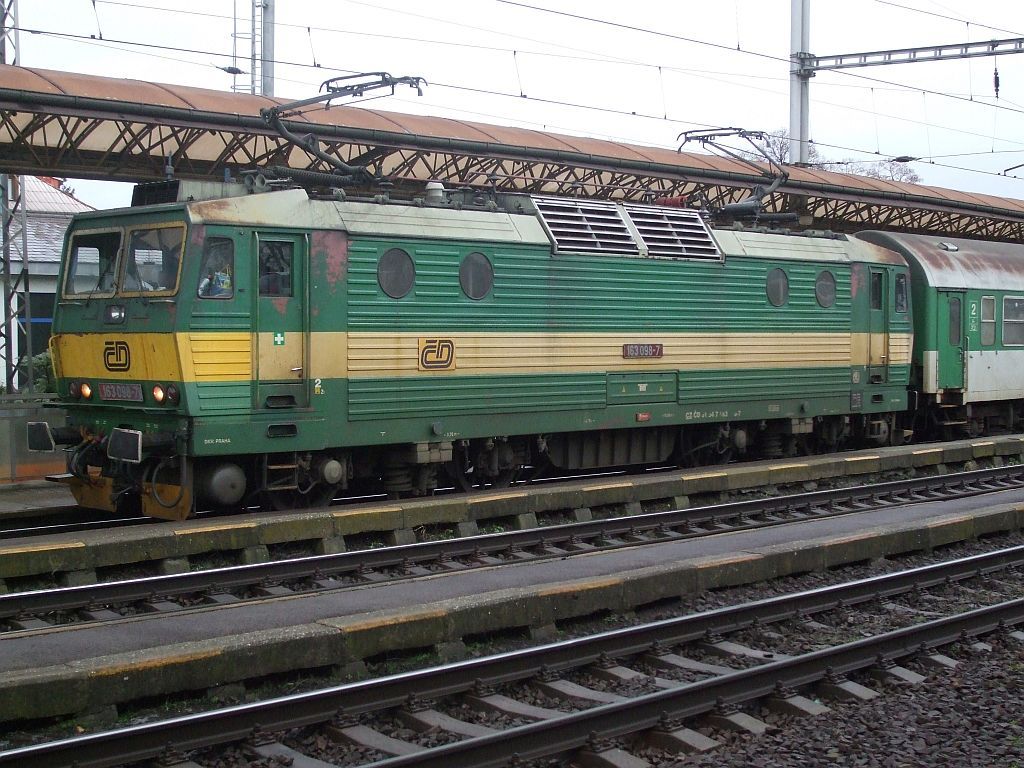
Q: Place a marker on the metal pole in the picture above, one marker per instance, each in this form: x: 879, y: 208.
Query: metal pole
x: 267, y: 48
x: 799, y: 81
x: 14, y: 228
x: 255, y: 47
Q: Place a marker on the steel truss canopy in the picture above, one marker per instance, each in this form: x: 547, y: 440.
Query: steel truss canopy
x: 65, y: 124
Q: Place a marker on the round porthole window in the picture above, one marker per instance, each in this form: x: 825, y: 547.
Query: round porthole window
x: 396, y: 273
x: 476, y: 276
x: 825, y: 289
x: 777, y: 287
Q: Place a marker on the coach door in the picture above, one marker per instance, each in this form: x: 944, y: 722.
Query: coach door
x: 281, y: 321
x: 878, y: 328
x: 952, y: 340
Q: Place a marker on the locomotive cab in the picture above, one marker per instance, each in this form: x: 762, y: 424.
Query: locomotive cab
x: 114, y: 353
x: 180, y: 342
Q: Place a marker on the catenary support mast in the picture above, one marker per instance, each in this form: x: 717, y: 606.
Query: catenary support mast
x: 804, y: 65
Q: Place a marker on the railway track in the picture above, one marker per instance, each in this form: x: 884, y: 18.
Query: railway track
x: 71, y: 518
x: 67, y: 519
x: 662, y: 686
x: 42, y: 610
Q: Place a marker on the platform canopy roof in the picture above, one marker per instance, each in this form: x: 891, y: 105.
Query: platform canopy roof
x: 66, y: 124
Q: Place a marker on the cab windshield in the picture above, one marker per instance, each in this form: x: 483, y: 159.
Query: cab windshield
x: 150, y: 262
x: 92, y: 264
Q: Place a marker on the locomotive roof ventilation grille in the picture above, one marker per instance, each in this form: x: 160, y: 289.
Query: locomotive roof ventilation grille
x: 606, y: 227
x: 586, y: 226
x: 673, y: 232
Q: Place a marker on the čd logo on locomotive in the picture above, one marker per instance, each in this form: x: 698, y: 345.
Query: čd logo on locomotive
x: 437, y: 354
x: 117, y: 356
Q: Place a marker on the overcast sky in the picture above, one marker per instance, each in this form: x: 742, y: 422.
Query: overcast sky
x: 640, y: 71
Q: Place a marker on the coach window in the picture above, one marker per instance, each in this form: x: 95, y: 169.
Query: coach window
x: 825, y: 289
x: 1013, y: 320
x: 276, y: 267
x: 216, y: 273
x: 777, y: 287
x: 476, y: 276
x: 901, y: 293
x: 988, y: 320
x: 955, y: 324
x: 396, y: 273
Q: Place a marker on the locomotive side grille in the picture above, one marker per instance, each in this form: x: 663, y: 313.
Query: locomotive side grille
x: 586, y: 226
x: 673, y: 232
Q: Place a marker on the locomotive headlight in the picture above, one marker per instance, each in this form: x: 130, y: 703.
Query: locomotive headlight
x: 173, y: 396
x: 85, y: 389
x: 158, y: 394
x: 75, y: 389
x: 114, y: 314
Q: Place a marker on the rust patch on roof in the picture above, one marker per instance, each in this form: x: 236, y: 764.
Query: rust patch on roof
x: 953, y: 262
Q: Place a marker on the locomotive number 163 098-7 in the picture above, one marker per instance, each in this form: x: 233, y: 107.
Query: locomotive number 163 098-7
x: 642, y: 350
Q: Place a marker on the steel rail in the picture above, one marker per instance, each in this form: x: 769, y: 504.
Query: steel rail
x: 569, y: 733
x: 40, y: 528
x: 652, y: 527
x: 148, y: 741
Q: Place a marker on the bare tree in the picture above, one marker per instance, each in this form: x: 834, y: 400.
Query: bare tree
x: 776, y: 146
x: 894, y: 171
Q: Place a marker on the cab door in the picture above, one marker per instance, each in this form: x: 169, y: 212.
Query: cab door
x: 952, y: 339
x: 282, y: 338
x: 878, y: 328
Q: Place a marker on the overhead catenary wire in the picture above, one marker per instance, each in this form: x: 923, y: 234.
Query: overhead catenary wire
x: 875, y: 154
x: 593, y: 57
x: 630, y: 113
x: 935, y: 14
x: 696, y: 41
x: 611, y: 60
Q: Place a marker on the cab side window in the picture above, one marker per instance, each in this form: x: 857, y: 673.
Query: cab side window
x: 275, y: 268
x: 216, y: 274
x: 876, y: 290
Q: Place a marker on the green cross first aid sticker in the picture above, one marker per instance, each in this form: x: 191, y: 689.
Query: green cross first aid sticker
x: 278, y: 339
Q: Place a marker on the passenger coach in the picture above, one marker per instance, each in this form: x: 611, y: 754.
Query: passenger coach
x: 968, y: 329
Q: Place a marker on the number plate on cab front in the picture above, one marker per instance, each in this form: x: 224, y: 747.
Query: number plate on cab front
x: 111, y: 391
